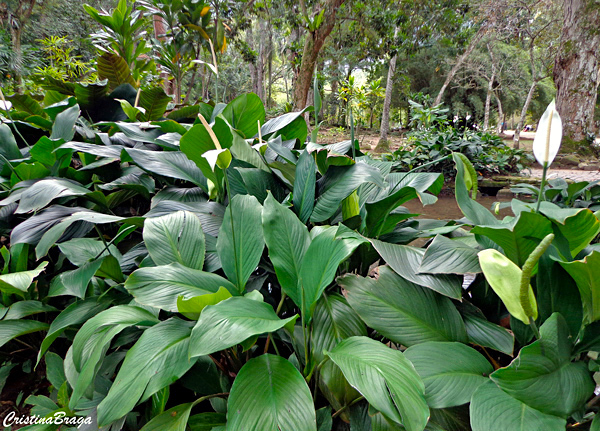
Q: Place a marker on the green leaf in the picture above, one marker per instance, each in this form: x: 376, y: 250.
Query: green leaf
x: 446, y: 256
x: 320, y: 264
x: 241, y: 242
x: 175, y: 238
x: 492, y: 409
x: 160, y: 286
x: 579, y: 226
x: 402, y: 311
x: 474, y: 211
x: 586, y: 273
x: 230, y: 322
x: 156, y: 360
x: 26, y: 103
x: 451, y: 372
x: 244, y: 113
x: 378, y: 219
x: 76, y: 313
x: 154, y: 101
x: 8, y: 144
x: 333, y: 321
x: 290, y: 125
x: 543, y: 376
x: 385, y: 378
x: 115, y: 69
x: 405, y: 260
x: 338, y: 183
x: 75, y: 282
x: 10, y: 329
x: 64, y: 124
x: 519, y: 237
x: 487, y: 334
x: 284, y: 401
x: 304, y: 186
x: 172, y: 164
x: 207, y: 421
x: 19, y: 282
x: 174, y: 419
x: 40, y: 194
x: 21, y: 309
x: 505, y: 279
x: 556, y: 291
x: 287, y: 240
x: 80, y: 251
x: 191, y: 308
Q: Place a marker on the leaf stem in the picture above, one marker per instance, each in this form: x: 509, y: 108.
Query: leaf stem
x: 542, y: 185
x: 336, y: 414
x: 208, y: 397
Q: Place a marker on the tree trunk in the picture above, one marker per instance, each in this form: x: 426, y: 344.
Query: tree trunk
x: 500, y: 114
x: 383, y: 145
x: 523, y: 114
x: 252, y: 66
x: 576, y: 69
x: 488, y: 100
x: 460, y: 60
x: 262, y: 49
x: 312, y: 46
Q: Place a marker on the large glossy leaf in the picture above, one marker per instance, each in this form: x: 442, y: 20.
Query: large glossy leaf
x: 379, y: 221
x: 446, y: 256
x: 175, y: 238
x: 556, y: 291
x: 10, y: 329
x: 52, y: 235
x: 406, y: 260
x: 21, y: 309
x: 174, y: 419
x: 578, y: 226
x: 385, y: 378
x: 94, y: 338
x: 241, y: 242
x: 172, y: 164
x: 505, y: 279
x: 154, y: 101
x: 244, y: 113
x: 338, y: 183
x: 32, y: 229
x: 402, y: 311
x: 75, y: 314
x: 320, y: 264
x: 519, y: 237
x: 494, y: 410
x: 75, y: 282
x: 160, y: 286
x: 40, y: 194
x: 19, y: 282
x: 474, y: 211
x: 287, y: 240
x: 230, y: 322
x: 8, y: 144
x: 156, y: 360
x: 284, y: 401
x: 451, y: 372
x: 283, y: 121
x: 305, y: 186
x: 64, y: 124
x: 333, y: 321
x: 485, y: 333
x: 26, y: 103
x: 115, y: 69
x: 586, y: 273
x: 543, y: 376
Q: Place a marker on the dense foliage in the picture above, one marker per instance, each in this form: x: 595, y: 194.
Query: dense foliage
x: 155, y: 266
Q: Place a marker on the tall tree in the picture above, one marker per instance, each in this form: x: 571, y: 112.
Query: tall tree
x: 576, y: 70
x: 383, y: 144
x: 319, y: 26
x: 16, y: 15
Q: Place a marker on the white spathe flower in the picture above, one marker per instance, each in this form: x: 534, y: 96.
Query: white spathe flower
x: 548, y: 136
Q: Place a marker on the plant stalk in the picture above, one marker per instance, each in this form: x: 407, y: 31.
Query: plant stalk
x: 542, y: 185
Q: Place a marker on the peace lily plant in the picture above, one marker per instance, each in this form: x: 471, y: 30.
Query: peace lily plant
x: 547, y: 142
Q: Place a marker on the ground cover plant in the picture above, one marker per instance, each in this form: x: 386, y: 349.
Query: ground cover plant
x: 161, y: 271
